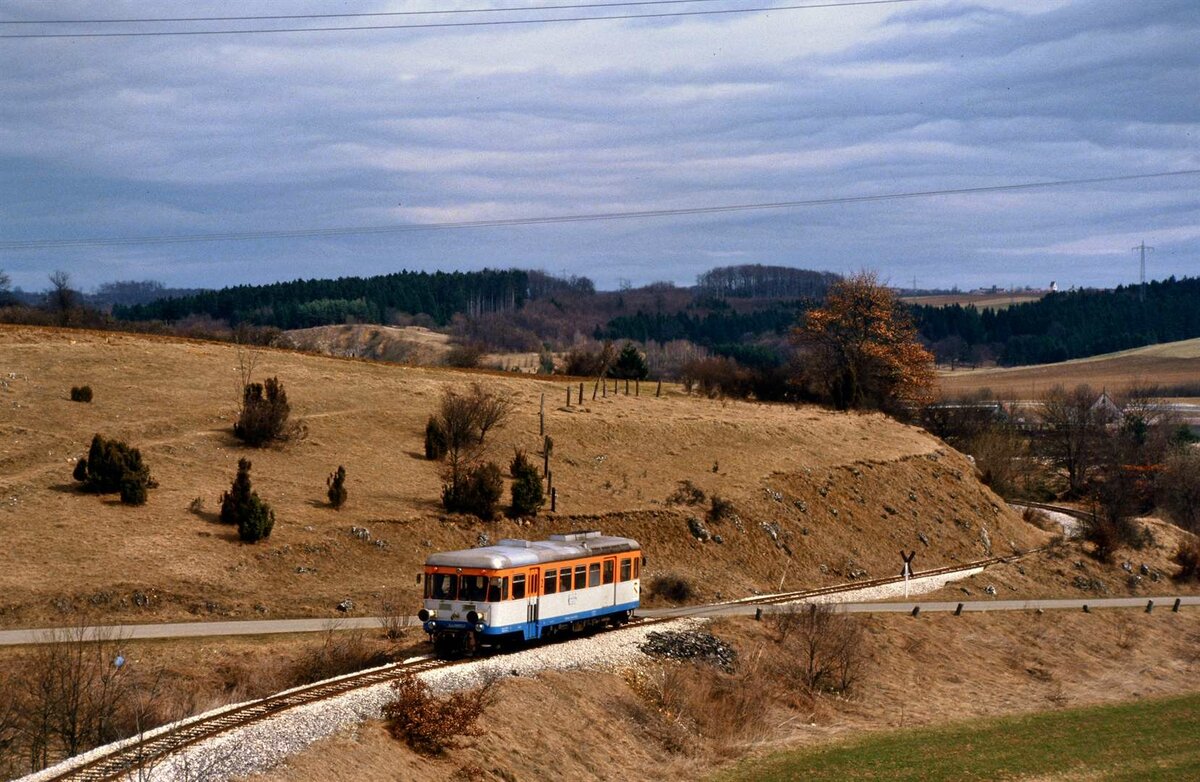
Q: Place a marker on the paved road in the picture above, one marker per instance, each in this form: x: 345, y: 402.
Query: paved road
x: 195, y: 629
x: 275, y: 626
x: 1161, y: 603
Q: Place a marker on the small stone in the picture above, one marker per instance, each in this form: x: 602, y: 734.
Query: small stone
x: 889, y: 510
x: 1127, y: 567
x: 921, y: 536
x: 346, y: 606
x: 1144, y: 569
x: 801, y: 506
x: 718, y: 539
x: 989, y: 589
x: 698, y: 530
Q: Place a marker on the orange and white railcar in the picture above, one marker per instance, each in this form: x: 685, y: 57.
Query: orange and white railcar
x: 521, y: 590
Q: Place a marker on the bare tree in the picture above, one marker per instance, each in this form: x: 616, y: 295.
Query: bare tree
x: 491, y: 408
x: 1179, y: 488
x: 1073, y: 424
x: 61, y: 298
x: 465, y: 420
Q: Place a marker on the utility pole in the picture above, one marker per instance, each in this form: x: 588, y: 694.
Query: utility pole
x: 1142, y: 248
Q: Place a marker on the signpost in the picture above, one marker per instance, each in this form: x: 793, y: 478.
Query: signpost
x: 906, y: 570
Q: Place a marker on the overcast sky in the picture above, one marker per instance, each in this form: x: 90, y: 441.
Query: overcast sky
x: 191, y: 135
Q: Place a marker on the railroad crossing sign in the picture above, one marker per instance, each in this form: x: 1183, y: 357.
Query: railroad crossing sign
x: 906, y: 569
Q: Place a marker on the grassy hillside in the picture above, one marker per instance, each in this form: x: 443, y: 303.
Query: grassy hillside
x: 1169, y: 364
x: 841, y: 492
x: 1139, y: 740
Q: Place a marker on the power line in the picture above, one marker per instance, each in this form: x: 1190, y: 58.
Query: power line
x: 365, y: 14
x: 41, y: 244
x: 476, y: 23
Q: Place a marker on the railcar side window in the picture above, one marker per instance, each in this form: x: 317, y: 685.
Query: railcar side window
x: 637, y: 568
x: 518, y: 592
x: 626, y: 569
x: 594, y: 574
x: 580, y: 576
x: 608, y: 571
x: 497, y: 589
x: 474, y: 589
x: 564, y: 580
x: 445, y: 586
x: 549, y: 587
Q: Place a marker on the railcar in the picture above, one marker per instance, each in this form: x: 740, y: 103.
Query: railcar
x: 521, y: 590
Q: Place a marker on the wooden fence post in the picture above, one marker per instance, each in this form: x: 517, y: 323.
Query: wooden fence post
x: 553, y: 500
x: 658, y: 391
x: 542, y: 417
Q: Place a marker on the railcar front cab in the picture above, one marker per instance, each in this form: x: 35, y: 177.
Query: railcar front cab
x: 519, y: 590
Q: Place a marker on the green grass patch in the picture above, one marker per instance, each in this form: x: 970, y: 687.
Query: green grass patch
x: 1142, y: 740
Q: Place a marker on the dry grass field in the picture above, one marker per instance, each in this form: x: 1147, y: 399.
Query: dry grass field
x: 1169, y: 364
x: 841, y: 492
x: 994, y: 301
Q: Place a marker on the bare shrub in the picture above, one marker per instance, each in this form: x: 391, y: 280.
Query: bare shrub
x: 827, y: 646
x: 1040, y: 519
x: 431, y: 725
x: 393, y: 614
x: 720, y: 509
x: 1187, y: 556
x: 998, y: 452
x: 686, y: 493
x: 338, y: 653
x: 465, y: 356
x: 672, y: 587
x: 724, y: 709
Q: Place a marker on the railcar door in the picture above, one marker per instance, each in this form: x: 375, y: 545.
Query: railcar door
x: 532, y: 630
x: 608, y: 576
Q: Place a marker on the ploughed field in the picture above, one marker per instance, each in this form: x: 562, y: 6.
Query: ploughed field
x: 818, y: 497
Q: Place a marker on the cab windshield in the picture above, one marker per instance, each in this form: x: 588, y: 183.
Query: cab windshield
x: 445, y: 586
x: 474, y: 589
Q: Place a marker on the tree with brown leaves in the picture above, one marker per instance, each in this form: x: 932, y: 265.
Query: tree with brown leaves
x: 861, y: 348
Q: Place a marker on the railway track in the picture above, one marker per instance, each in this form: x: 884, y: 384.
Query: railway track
x: 126, y: 761
x: 132, y: 760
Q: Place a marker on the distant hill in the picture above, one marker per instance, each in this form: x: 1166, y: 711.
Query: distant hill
x: 306, y: 303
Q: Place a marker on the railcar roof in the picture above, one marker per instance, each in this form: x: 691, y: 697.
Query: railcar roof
x: 516, y: 553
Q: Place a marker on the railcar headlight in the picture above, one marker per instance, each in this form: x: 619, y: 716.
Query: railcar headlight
x: 479, y: 627
x: 424, y: 615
